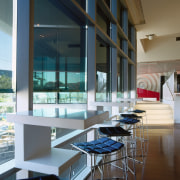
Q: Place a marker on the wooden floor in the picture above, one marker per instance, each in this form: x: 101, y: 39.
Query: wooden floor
x: 163, y: 156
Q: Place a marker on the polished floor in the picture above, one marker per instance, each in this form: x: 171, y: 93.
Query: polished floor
x: 163, y: 156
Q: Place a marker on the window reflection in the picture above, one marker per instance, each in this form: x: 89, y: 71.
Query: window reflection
x: 103, y: 71
x: 120, y: 79
x: 59, y: 56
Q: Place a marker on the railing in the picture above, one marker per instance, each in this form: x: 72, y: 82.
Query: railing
x: 170, y: 90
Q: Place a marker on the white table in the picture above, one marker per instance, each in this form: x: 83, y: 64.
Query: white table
x: 62, y: 118
x: 33, y: 137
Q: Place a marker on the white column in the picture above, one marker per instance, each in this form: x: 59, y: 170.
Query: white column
x: 24, y: 75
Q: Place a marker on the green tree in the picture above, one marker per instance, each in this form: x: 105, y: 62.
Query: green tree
x: 5, y: 82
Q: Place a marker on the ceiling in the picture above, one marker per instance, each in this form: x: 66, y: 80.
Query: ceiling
x: 161, y: 20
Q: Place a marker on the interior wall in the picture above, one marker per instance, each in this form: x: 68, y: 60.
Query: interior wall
x: 150, y: 82
x: 158, y: 49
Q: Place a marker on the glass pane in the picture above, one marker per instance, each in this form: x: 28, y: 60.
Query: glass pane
x: 44, y: 81
x: 120, y: 80
x: 6, y: 38
x: 103, y: 71
x: 7, y: 105
x: 47, y: 12
x: 59, y: 54
x: 102, y: 21
x: 7, y: 81
x: 44, y: 97
x: 72, y: 97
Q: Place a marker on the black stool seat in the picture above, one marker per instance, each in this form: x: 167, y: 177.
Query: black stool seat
x: 138, y: 111
x: 113, y: 131
x: 100, y: 146
x: 47, y: 177
x: 131, y: 116
x: 129, y: 121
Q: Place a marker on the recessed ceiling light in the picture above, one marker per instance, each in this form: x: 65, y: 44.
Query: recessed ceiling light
x: 150, y: 36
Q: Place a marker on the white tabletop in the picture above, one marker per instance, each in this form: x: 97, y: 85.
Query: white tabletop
x: 59, y: 117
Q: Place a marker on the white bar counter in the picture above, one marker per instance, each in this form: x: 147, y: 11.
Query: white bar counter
x: 33, y: 137
x: 62, y: 118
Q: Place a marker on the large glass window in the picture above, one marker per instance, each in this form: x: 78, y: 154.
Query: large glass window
x: 59, y: 55
x: 60, y: 63
x: 103, y: 71
x: 7, y: 80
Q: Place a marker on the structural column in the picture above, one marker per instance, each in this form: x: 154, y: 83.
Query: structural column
x: 24, y: 72
x: 91, y: 58
x: 114, y: 52
x: 125, y: 77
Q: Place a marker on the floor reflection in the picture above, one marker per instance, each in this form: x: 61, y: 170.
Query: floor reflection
x: 163, y: 157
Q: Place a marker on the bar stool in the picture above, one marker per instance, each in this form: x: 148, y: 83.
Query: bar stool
x: 143, y: 114
x: 103, y: 147
x: 135, y: 121
x: 122, y: 135
x: 130, y: 124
